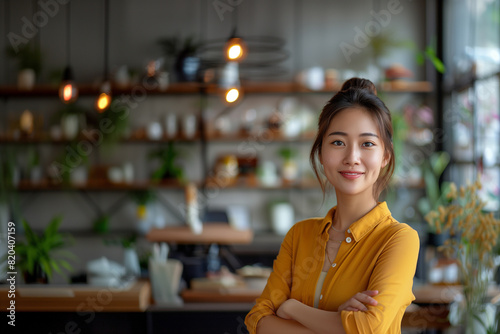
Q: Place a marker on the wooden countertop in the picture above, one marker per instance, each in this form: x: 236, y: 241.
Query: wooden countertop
x: 424, y: 294
x: 220, y: 233
x: 79, y: 298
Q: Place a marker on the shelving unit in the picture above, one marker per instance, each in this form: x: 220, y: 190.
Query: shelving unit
x: 204, y: 137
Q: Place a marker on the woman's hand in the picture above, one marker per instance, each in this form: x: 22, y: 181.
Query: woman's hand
x: 359, y: 300
x: 283, y: 310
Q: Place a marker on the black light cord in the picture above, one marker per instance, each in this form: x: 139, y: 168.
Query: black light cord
x: 68, y: 34
x: 106, y: 39
x: 7, y: 24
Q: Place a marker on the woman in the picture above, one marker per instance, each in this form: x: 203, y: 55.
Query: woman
x: 351, y: 271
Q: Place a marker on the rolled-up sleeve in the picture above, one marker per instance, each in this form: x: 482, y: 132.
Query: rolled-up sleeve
x: 392, y: 276
x: 278, y: 285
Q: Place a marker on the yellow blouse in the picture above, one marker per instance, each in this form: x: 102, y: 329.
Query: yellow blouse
x: 378, y: 253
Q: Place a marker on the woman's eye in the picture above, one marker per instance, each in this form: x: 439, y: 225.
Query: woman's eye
x: 337, y: 143
x: 368, y: 144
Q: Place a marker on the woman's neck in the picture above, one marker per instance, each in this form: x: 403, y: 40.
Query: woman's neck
x: 350, y: 209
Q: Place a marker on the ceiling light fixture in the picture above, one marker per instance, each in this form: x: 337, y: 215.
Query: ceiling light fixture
x: 104, y: 99
x: 68, y: 92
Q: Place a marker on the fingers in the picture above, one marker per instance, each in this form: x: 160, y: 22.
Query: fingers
x: 371, y: 293
x: 365, y: 297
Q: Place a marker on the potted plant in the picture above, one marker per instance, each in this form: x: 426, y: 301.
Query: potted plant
x: 117, y: 115
x: 72, y: 118
x: 29, y: 59
x: 182, y: 54
x: 34, y: 168
x: 290, y: 169
x: 167, y: 170
x: 474, y: 234
x: 41, y: 255
x: 146, y: 212
x: 130, y: 257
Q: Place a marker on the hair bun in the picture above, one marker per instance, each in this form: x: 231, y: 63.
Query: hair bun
x: 358, y: 83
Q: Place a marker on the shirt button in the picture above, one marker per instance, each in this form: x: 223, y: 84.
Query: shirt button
x: 348, y: 230
x: 348, y: 239
x: 320, y: 297
x: 334, y: 265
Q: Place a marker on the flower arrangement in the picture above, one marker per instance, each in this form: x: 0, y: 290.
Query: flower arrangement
x: 473, y: 236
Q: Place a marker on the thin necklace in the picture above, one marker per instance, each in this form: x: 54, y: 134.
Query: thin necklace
x: 337, y: 230
x: 328, y: 257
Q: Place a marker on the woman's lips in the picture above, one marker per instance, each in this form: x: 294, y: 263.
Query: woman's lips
x: 350, y: 175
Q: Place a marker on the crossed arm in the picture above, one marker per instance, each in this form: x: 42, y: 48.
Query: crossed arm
x: 295, y: 317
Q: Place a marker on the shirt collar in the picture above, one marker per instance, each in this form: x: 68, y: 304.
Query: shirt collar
x: 363, y: 225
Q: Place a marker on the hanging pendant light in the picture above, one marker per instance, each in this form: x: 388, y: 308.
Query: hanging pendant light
x: 104, y: 99
x: 235, y: 49
x: 68, y: 93
x: 230, y: 83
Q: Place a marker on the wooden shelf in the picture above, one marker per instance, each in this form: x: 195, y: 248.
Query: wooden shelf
x: 196, y: 88
x: 46, y: 185
x: 251, y: 182
x: 69, y: 298
x: 267, y: 137
x: 404, y: 86
x: 219, y: 233
x: 44, y: 138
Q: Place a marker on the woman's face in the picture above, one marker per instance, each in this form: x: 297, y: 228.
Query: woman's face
x: 352, y: 152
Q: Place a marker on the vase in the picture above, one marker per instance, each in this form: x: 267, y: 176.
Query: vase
x: 186, y: 68
x: 26, y: 79
x: 37, y: 277
x: 480, y: 320
x: 131, y: 261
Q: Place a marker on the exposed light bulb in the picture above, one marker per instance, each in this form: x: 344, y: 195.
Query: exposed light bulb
x: 232, y: 95
x: 104, y: 99
x: 103, y: 102
x: 235, y: 49
x: 68, y: 93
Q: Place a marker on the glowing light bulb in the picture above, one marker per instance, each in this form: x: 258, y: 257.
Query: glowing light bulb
x: 235, y: 49
x: 234, y: 52
x: 103, y: 102
x: 232, y: 95
x: 68, y: 92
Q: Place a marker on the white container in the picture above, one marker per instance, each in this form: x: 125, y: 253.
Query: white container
x: 189, y: 125
x: 70, y: 126
x: 154, y: 131
x: 282, y: 217
x: 171, y: 127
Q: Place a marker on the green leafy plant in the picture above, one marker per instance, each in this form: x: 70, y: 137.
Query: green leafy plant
x: 44, y: 250
x: 72, y: 158
x: 27, y: 56
x: 7, y: 167
x: 287, y: 153
x: 168, y: 169
x: 143, y: 197
x: 429, y: 53
x: 175, y: 46
x: 70, y: 109
x: 125, y: 242
x: 435, y: 194
x: 101, y: 224
x: 118, y: 116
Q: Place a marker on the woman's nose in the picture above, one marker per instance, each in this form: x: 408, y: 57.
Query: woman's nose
x: 351, y: 156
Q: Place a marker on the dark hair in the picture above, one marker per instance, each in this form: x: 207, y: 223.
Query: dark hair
x: 356, y: 93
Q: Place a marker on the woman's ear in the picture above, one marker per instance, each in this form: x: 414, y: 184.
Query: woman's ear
x: 386, y: 159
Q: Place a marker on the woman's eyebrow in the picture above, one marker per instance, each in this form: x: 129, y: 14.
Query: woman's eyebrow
x: 364, y: 134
